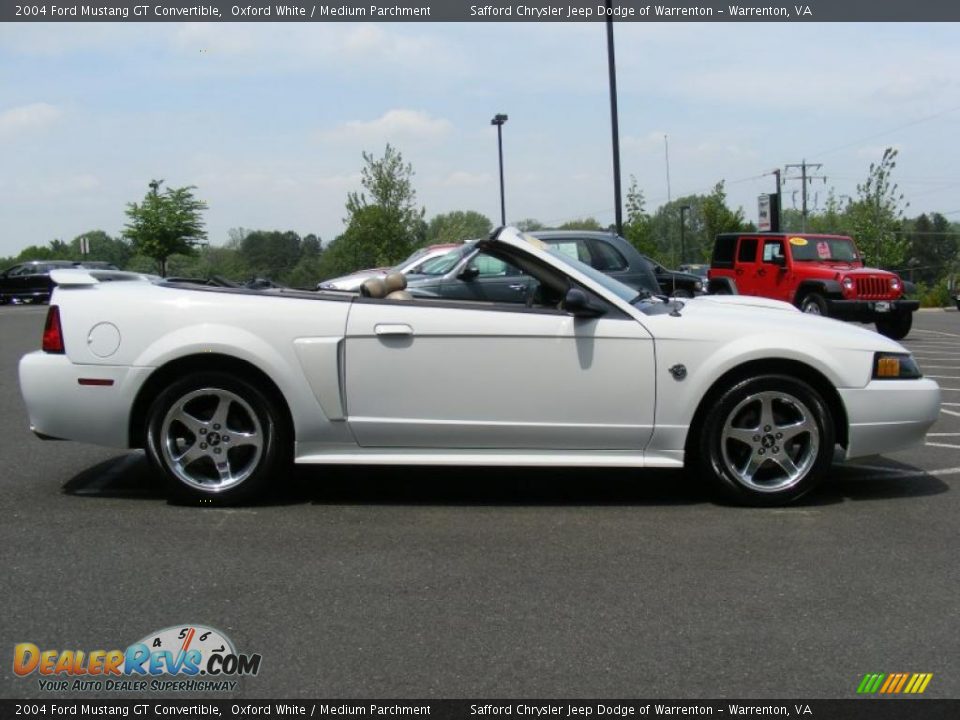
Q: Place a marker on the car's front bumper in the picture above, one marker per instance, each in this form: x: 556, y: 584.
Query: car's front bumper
x: 59, y: 406
x: 889, y: 415
x: 867, y: 310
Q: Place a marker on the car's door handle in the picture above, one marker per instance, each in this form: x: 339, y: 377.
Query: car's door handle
x: 761, y: 272
x: 518, y: 287
x: 393, y: 329
x: 739, y: 271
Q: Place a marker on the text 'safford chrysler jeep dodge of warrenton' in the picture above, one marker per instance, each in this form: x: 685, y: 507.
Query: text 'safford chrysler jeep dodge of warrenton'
x: 820, y: 274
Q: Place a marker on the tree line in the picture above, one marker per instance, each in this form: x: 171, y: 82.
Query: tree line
x: 384, y: 223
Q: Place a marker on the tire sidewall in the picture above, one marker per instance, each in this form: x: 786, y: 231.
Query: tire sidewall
x: 710, y: 457
x: 262, y: 407
x: 814, y: 299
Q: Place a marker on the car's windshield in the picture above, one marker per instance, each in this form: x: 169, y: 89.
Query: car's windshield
x: 443, y: 264
x: 823, y: 249
x: 417, y: 254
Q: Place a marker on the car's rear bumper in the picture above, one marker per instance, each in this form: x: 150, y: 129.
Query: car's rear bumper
x: 889, y: 415
x: 868, y: 310
x: 59, y: 406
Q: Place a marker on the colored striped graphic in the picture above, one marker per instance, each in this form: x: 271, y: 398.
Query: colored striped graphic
x: 894, y: 683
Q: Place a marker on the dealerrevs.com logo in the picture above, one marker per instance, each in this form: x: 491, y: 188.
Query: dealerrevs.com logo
x: 186, y: 658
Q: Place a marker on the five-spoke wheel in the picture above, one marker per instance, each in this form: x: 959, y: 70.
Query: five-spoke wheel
x: 766, y: 441
x: 215, y: 437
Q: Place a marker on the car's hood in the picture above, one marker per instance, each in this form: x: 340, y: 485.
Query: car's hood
x: 732, y: 315
x: 742, y: 301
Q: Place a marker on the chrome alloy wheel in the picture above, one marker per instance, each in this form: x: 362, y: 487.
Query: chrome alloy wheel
x: 211, y: 439
x: 770, y: 441
x: 811, y: 307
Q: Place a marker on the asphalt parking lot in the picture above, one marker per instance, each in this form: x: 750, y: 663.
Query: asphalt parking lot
x: 445, y: 583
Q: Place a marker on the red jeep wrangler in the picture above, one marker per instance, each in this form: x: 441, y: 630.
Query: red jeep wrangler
x: 820, y: 274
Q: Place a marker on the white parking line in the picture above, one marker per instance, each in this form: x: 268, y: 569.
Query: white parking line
x: 941, y: 367
x: 936, y: 332
x: 950, y: 412
x: 910, y: 473
x: 951, y: 404
x: 945, y: 377
x: 943, y: 434
x: 945, y: 445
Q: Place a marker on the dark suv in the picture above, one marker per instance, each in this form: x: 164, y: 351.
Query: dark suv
x: 30, y: 281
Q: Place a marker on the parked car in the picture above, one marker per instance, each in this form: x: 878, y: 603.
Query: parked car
x: 224, y: 387
x: 412, y: 264
x: 676, y: 283
x: 820, y: 274
x: 30, y: 281
x: 470, y: 273
x: 698, y: 269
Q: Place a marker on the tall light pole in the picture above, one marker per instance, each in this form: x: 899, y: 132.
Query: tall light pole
x: 499, y: 119
x: 683, y: 226
x: 614, y: 122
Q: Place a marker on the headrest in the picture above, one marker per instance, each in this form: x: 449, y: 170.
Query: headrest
x: 399, y: 295
x: 395, y: 281
x: 374, y: 288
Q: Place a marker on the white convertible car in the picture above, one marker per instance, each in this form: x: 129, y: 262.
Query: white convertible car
x: 224, y: 387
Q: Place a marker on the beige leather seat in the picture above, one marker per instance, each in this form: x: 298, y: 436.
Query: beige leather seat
x: 396, y: 286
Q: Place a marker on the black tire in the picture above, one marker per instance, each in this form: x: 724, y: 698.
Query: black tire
x: 751, y: 462
x: 217, y: 439
x: 896, y: 327
x: 814, y: 304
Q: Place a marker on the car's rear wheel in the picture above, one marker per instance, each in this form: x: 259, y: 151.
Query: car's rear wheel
x: 814, y: 304
x: 896, y: 326
x: 766, y: 441
x: 217, y: 439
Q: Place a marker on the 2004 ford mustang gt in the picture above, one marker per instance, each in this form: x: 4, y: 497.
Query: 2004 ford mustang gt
x: 224, y: 386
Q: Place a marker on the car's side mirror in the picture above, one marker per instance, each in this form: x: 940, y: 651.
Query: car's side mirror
x: 469, y: 272
x: 780, y: 261
x: 578, y: 303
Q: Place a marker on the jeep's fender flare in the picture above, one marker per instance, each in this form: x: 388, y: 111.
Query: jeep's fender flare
x: 722, y: 286
x: 827, y: 288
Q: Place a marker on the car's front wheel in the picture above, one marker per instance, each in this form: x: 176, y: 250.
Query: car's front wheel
x: 766, y: 441
x: 217, y: 439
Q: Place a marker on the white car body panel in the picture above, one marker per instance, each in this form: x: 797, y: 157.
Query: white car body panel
x: 468, y: 384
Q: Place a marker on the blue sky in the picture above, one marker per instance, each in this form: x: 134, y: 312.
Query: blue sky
x: 269, y: 120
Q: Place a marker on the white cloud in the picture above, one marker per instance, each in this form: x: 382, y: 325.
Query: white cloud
x: 26, y: 118
x: 393, y: 125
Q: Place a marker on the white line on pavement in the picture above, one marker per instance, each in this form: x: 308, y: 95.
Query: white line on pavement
x: 944, y: 445
x: 936, y: 332
x: 945, y: 377
x: 943, y: 434
x: 950, y: 412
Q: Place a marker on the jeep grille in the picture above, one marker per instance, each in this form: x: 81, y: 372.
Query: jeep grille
x: 873, y: 287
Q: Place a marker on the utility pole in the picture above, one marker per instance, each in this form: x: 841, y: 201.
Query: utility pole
x: 614, y: 120
x: 804, y: 178
x: 776, y: 219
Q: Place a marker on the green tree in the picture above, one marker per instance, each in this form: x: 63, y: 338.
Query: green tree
x: 528, y: 225
x: 103, y: 247
x: 876, y: 215
x: 638, y: 227
x: 932, y: 248
x: 458, y: 226
x: 165, y: 223
x: 388, y: 225
x: 270, y: 253
x: 587, y: 223
x: 717, y: 218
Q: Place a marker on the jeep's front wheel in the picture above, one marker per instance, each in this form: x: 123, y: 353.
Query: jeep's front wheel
x: 217, y: 439
x: 814, y: 304
x: 766, y: 441
x: 896, y: 327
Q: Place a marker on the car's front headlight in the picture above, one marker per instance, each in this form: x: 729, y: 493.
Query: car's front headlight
x: 895, y: 366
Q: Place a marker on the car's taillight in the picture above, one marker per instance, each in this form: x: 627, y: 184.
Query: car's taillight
x: 52, y: 334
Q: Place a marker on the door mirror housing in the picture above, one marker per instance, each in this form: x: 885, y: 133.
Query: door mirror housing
x: 469, y: 272
x: 780, y: 261
x: 579, y: 304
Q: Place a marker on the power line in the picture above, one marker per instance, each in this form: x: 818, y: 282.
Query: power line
x: 886, y: 132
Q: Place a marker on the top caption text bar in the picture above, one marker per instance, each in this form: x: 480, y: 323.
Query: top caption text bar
x: 466, y: 11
